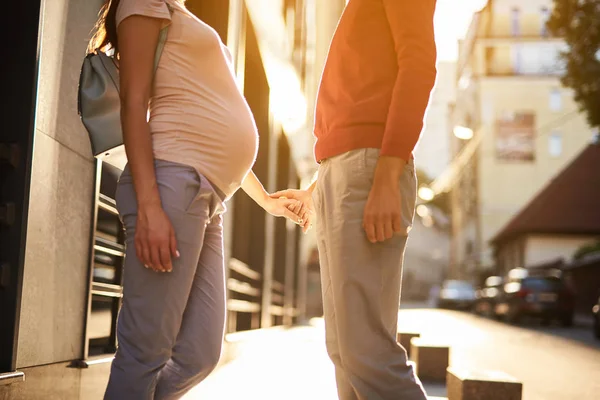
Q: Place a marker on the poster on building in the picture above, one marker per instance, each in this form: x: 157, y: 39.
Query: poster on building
x: 515, y: 137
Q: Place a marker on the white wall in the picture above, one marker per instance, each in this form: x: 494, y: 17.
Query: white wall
x: 542, y: 248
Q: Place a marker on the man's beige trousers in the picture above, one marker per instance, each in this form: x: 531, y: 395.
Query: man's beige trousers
x: 361, y: 282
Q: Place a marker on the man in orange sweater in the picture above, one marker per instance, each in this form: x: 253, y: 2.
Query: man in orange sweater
x: 370, y: 109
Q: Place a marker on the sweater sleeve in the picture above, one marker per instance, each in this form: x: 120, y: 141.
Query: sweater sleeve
x: 411, y: 24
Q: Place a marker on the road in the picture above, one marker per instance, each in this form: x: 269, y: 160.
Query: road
x: 553, y: 363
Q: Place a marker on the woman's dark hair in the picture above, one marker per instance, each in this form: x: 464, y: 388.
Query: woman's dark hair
x: 105, y: 31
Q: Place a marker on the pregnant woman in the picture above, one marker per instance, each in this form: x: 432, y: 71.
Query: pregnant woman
x: 193, y: 152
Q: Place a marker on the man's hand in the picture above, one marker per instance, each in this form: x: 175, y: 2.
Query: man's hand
x: 284, y: 207
x: 382, y: 215
x: 303, y: 208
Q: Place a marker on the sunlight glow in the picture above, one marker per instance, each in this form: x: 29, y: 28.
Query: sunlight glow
x: 452, y: 19
x: 422, y: 210
x: 462, y: 132
x: 286, y: 98
x: 425, y: 193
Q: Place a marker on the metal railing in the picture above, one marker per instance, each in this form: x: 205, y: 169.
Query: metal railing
x: 244, y: 287
x: 243, y: 282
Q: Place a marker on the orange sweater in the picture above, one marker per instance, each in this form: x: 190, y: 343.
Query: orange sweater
x: 377, y: 79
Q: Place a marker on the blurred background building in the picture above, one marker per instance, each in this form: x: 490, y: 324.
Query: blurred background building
x: 432, y: 153
x: 514, y: 127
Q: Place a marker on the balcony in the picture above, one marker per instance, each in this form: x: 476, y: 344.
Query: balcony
x: 525, y: 59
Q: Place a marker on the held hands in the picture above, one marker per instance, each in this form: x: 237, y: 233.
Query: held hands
x: 301, y: 206
x: 281, y: 206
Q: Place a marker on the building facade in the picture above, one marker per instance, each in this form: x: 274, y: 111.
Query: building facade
x: 526, y: 126
x: 432, y: 153
x: 560, y: 220
x: 61, y: 244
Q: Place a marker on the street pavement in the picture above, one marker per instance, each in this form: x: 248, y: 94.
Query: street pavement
x: 554, y: 363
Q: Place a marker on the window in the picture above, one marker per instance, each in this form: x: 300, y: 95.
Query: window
x: 555, y: 100
x: 545, y: 16
x: 555, y: 144
x: 517, y: 59
x: 515, y: 27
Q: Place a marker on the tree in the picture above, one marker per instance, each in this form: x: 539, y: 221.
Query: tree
x: 587, y: 249
x: 578, y: 22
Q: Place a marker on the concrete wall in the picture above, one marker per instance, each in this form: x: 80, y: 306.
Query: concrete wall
x: 536, y: 249
x: 57, y: 256
x: 542, y: 248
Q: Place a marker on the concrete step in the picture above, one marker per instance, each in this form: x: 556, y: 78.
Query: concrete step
x: 431, y: 359
x: 488, y: 385
x: 404, y: 339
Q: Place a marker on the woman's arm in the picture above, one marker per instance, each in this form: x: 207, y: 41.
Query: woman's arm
x: 305, y: 199
x: 155, y: 237
x: 279, y: 207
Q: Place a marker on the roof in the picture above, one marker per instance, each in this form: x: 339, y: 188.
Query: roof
x: 569, y: 204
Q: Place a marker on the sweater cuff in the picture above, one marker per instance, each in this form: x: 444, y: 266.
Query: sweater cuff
x: 402, y: 152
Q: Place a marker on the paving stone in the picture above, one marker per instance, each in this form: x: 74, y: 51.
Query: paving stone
x: 431, y: 359
x: 404, y: 339
x: 482, y: 385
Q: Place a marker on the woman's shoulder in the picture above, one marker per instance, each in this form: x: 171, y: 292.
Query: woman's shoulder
x: 147, y: 8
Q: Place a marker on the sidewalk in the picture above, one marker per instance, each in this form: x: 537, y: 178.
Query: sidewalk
x: 275, y: 364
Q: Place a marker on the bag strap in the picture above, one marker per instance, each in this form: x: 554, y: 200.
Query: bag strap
x: 162, y: 39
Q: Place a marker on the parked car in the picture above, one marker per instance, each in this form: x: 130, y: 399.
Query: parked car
x: 456, y: 294
x: 544, y: 295
x: 487, y: 297
x: 596, y: 312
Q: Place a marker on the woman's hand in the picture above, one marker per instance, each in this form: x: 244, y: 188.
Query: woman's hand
x: 155, y: 241
x: 303, y: 208
x: 282, y: 207
x: 278, y: 205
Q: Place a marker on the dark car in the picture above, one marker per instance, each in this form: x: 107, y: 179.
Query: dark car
x: 456, y: 294
x: 596, y: 312
x: 546, y: 296
x: 487, y: 297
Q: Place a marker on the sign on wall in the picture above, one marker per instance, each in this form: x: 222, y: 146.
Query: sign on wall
x: 515, y: 137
